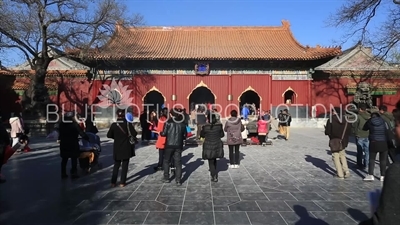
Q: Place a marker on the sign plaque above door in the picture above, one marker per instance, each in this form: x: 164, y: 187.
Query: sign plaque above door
x: 202, y: 68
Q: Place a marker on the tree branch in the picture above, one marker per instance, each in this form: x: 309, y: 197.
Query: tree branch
x: 17, y: 41
x: 358, y: 16
x: 28, y: 58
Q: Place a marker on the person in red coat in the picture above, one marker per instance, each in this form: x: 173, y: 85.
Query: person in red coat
x: 262, y: 129
x: 160, y: 144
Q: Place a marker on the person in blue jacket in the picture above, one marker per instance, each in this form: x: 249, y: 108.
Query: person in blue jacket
x: 245, y: 112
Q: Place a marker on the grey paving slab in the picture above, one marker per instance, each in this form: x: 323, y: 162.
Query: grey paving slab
x: 289, y: 182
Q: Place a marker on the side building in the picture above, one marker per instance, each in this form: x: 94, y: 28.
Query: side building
x: 353, y: 75
x: 67, y: 80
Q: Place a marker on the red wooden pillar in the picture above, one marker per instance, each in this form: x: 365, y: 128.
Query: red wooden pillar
x: 230, y: 93
x: 174, y: 97
x: 136, y: 96
x: 270, y: 92
x: 310, y: 97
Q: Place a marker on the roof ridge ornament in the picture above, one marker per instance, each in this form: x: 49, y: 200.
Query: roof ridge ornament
x: 119, y: 24
x: 286, y: 24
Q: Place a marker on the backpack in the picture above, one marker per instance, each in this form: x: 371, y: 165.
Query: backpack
x: 391, y: 123
x: 391, y: 137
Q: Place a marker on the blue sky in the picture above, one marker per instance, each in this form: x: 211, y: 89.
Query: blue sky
x: 308, y: 18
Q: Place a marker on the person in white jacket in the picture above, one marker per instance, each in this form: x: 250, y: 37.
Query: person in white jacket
x: 16, y: 129
x: 244, y: 132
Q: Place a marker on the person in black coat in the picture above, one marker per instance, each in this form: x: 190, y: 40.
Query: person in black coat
x: 378, y: 142
x: 175, y: 132
x: 213, y: 147
x: 90, y: 127
x: 4, y: 142
x: 186, y: 117
x: 201, y: 120
x: 69, y: 132
x: 146, y: 133
x: 123, y: 150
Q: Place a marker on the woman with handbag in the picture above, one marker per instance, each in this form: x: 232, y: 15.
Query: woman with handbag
x: 124, y: 135
x: 338, y: 131
x: 213, y: 148
x: 234, y: 128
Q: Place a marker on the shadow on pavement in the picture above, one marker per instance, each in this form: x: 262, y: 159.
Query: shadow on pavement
x: 357, y: 215
x: 319, y: 163
x: 35, y: 193
x: 305, y: 218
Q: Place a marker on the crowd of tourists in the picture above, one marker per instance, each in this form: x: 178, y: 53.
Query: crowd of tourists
x: 377, y: 132
x: 374, y: 135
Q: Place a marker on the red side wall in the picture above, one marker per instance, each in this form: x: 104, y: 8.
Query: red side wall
x: 9, y: 100
x: 73, y: 93
x: 333, y: 92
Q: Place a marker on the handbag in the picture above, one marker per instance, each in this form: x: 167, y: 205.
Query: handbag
x: 188, y: 131
x: 132, y: 140
x: 336, y: 144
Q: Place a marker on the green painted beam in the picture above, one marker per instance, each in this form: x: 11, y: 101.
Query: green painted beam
x: 375, y: 92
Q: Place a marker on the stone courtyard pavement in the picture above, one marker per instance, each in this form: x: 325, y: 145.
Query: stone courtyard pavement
x: 288, y: 183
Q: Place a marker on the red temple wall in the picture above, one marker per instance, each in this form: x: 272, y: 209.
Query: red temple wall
x: 142, y: 84
x: 300, y: 87
x: 183, y: 85
x: 78, y: 91
x: 243, y: 82
x: 221, y: 86
x: 218, y: 84
x: 139, y: 85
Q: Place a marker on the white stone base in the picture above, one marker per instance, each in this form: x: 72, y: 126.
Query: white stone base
x: 304, y: 122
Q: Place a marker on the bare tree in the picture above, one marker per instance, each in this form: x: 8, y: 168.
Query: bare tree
x: 394, y: 56
x: 357, y: 16
x: 35, y: 27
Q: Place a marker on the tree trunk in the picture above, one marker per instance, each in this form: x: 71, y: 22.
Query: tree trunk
x: 37, y: 96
